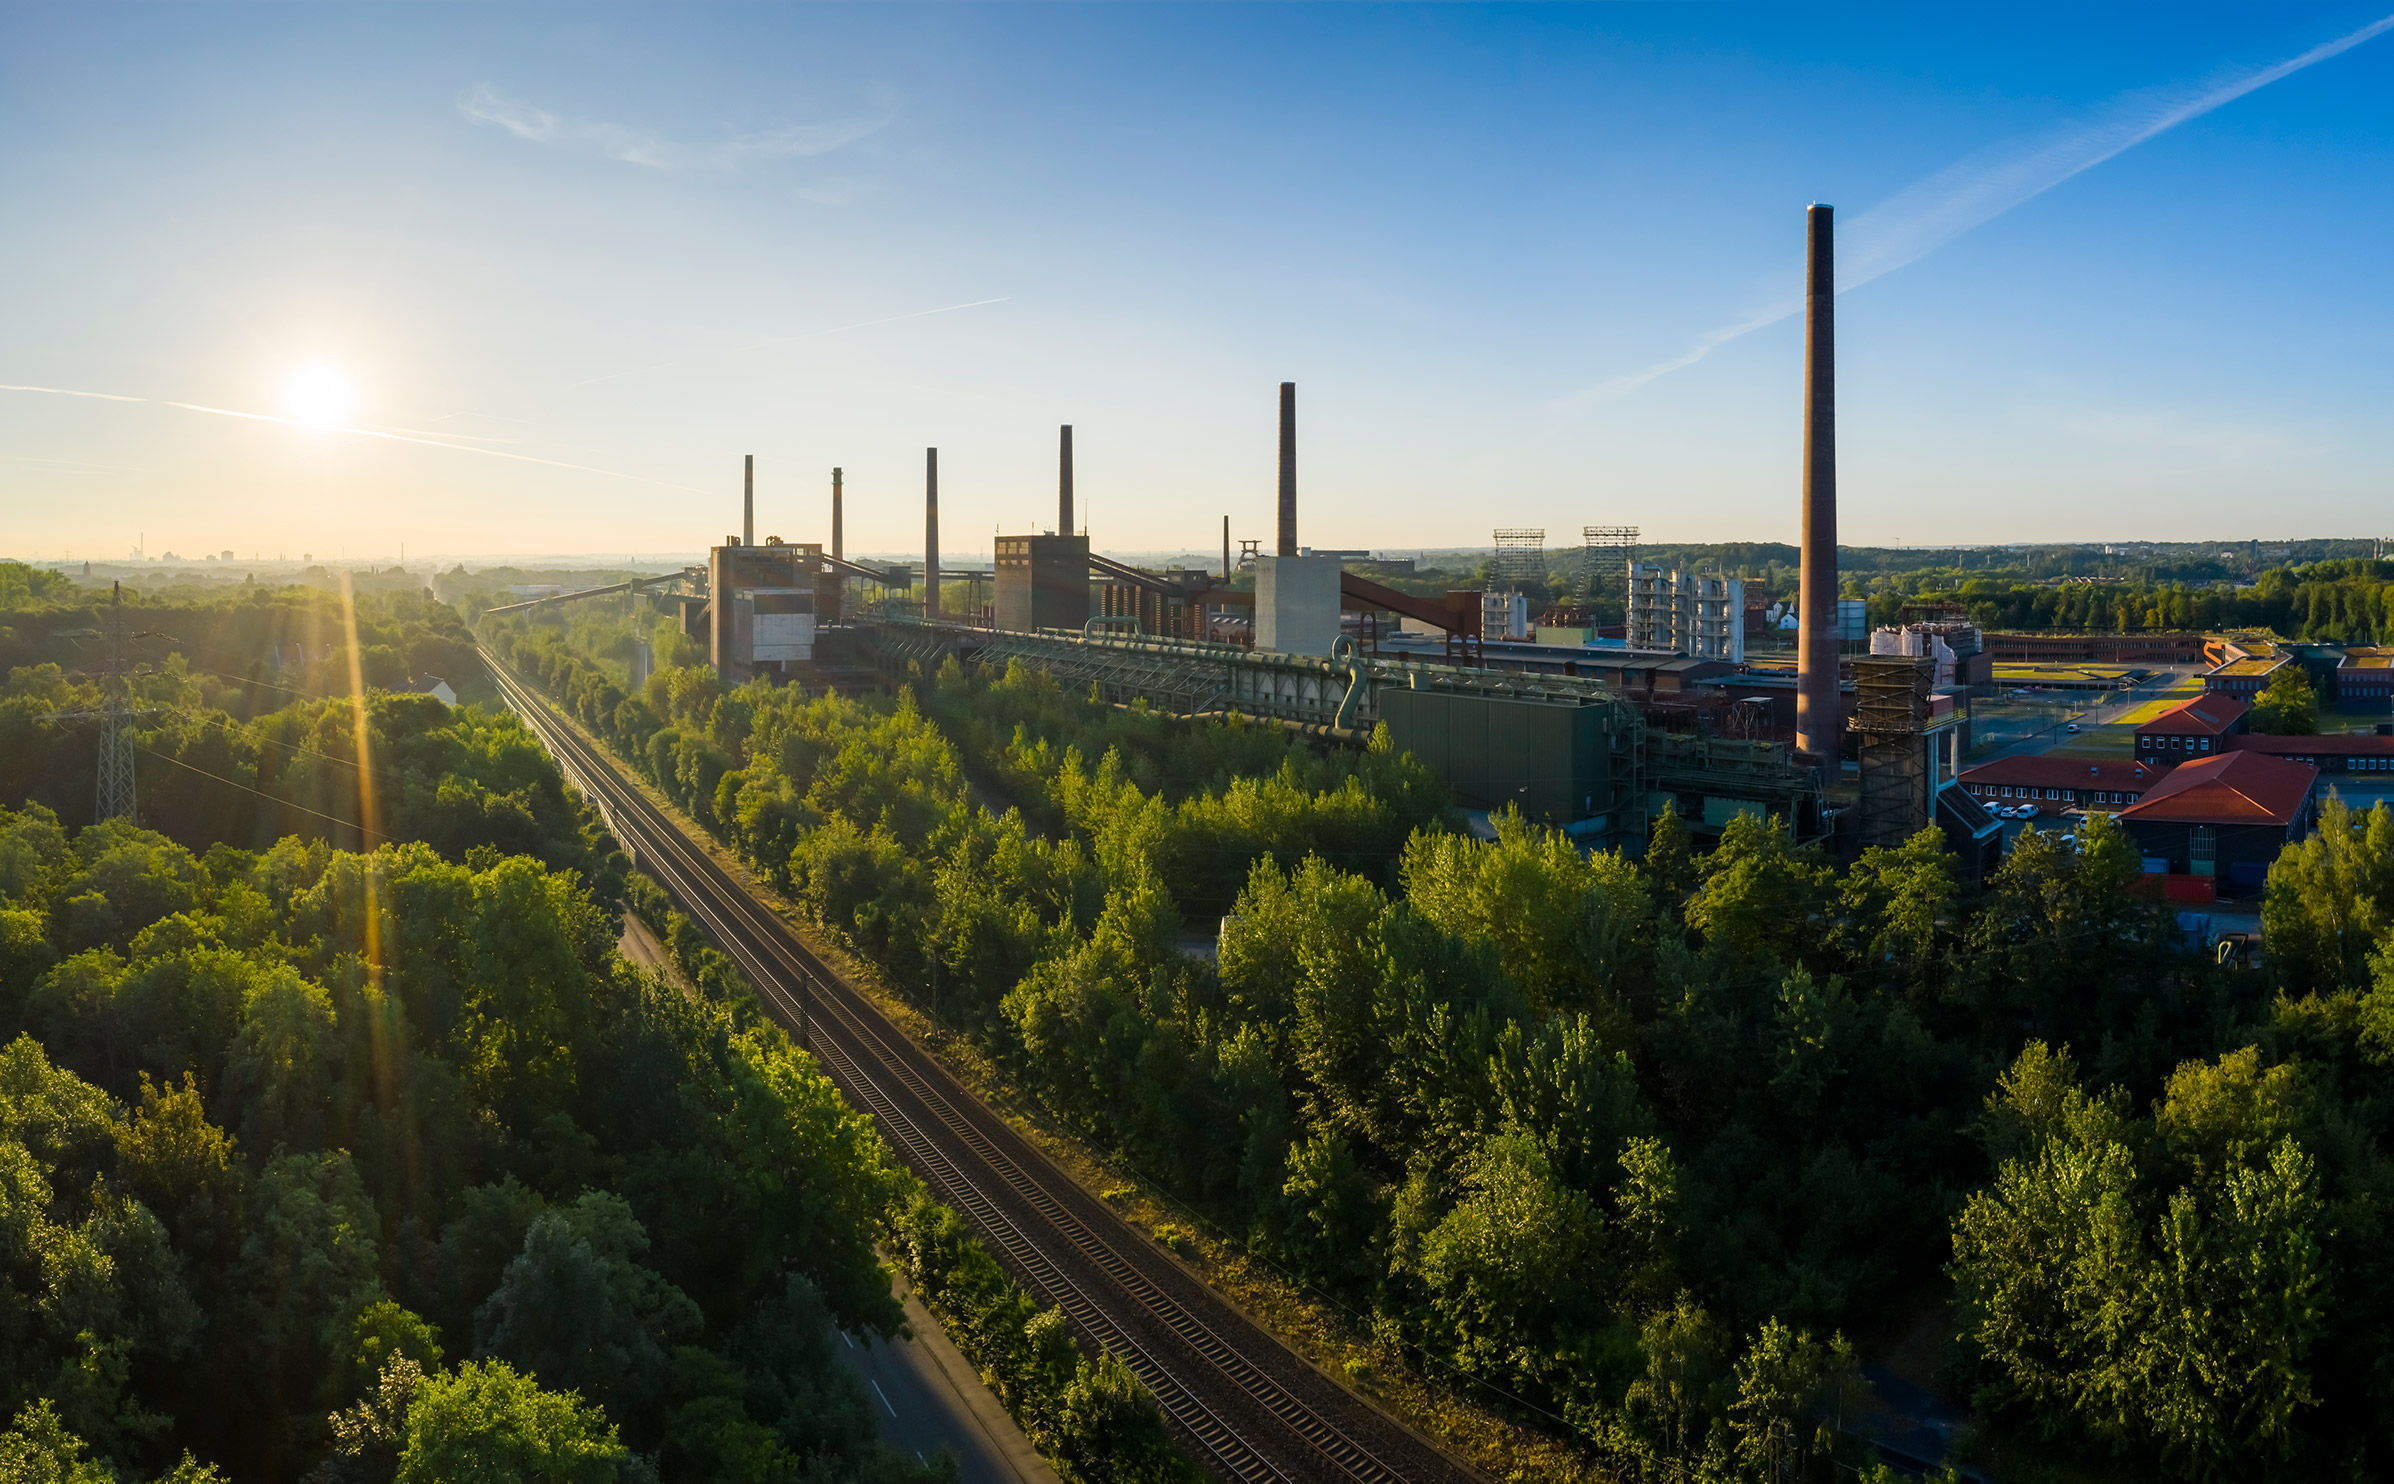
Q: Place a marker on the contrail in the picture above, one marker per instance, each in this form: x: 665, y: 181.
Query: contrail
x: 488, y: 453
x: 265, y: 417
x: 1970, y: 193
x: 866, y: 324
x: 59, y: 391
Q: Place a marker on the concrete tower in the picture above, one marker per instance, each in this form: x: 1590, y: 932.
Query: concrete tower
x: 1820, y: 719
x: 1288, y: 469
x: 931, y: 533
x: 1064, y: 482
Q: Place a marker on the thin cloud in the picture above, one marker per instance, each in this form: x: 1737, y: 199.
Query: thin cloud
x: 1972, y: 192
x: 354, y: 433
x: 485, y: 105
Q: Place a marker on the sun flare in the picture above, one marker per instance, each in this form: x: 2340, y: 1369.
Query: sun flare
x: 319, y: 396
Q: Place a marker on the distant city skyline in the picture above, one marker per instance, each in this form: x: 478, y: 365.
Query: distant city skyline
x: 512, y: 279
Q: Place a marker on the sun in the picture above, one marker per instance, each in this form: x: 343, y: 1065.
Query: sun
x: 318, y: 396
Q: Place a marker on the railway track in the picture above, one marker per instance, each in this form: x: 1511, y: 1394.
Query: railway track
x: 1247, y: 1408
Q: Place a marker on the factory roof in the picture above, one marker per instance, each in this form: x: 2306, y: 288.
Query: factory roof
x: 2367, y: 657
x: 2208, y: 716
x: 2049, y: 771
x: 2256, y: 665
x: 2230, y: 788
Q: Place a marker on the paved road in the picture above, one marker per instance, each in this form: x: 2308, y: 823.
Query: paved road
x: 926, y: 1398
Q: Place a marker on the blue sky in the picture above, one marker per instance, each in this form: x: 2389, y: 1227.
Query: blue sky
x: 623, y: 247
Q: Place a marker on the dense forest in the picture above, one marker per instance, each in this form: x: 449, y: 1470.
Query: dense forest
x: 2348, y: 601
x: 1653, y: 1153
x: 381, y: 1163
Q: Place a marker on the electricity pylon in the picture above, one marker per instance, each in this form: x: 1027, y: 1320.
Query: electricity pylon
x: 116, y: 796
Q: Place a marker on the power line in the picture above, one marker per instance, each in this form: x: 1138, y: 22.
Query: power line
x: 270, y: 798
x: 261, y: 684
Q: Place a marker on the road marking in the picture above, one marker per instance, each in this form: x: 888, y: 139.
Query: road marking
x: 877, y: 1391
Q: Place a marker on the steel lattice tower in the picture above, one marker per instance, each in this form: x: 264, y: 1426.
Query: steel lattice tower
x: 1610, y: 551
x: 1520, y: 558
x: 116, y: 797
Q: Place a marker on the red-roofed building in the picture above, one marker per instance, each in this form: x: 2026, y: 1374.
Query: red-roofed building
x: 2061, y: 782
x: 2195, y: 730
x: 2346, y: 752
x: 2227, y: 815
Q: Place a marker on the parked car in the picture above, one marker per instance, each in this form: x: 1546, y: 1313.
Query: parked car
x: 2024, y: 811
x: 2071, y: 728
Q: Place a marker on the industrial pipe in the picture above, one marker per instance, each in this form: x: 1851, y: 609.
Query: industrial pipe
x: 1344, y: 648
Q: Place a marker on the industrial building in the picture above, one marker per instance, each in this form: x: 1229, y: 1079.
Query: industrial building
x: 2225, y: 816
x: 1596, y: 742
x: 2103, y: 785
x: 2346, y: 752
x: 2182, y: 648
x: 2197, y: 729
x: 755, y: 607
x: 1959, y: 649
x: 761, y: 608
x: 1042, y: 582
x: 1918, y: 641
x: 2356, y: 679
x: 2365, y: 679
x: 1691, y: 614
x: 2246, y: 675
x: 1564, y: 748
x: 1548, y: 754
x: 1911, y: 756
x: 1504, y: 616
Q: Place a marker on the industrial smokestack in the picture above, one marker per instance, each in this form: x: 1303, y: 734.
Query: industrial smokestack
x: 1225, y: 548
x: 748, y: 505
x: 1288, y: 468
x: 1064, y: 482
x: 1820, y: 718
x: 837, y: 550
x: 931, y: 533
